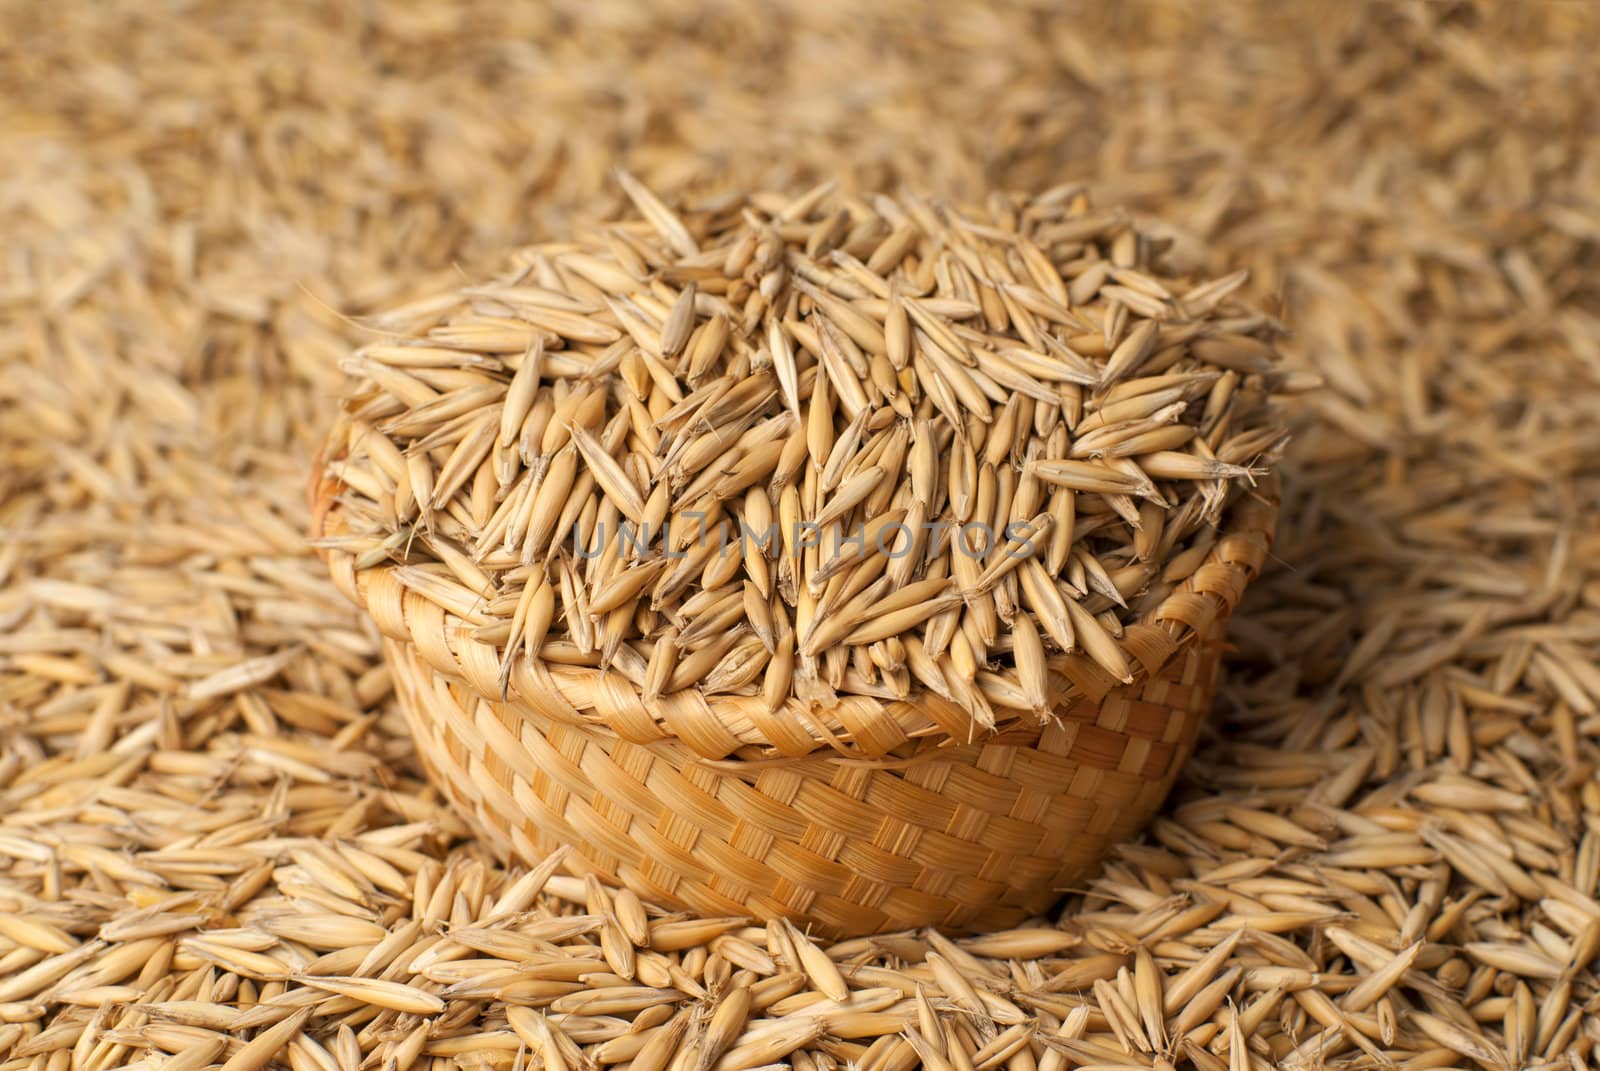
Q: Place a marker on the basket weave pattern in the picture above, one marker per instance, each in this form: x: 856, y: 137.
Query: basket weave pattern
x: 897, y: 821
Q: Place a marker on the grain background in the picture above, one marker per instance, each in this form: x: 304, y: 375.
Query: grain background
x: 212, y: 843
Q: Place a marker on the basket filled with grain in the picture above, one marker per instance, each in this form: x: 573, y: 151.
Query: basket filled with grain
x: 859, y: 561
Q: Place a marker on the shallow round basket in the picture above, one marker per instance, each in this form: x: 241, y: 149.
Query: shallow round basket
x: 864, y: 817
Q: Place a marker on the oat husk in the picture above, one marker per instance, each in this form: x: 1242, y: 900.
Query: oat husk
x: 806, y: 446
x: 213, y: 848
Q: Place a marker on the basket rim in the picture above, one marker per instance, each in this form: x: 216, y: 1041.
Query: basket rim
x: 722, y: 726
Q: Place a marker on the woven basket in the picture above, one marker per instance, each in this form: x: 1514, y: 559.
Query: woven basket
x: 867, y: 817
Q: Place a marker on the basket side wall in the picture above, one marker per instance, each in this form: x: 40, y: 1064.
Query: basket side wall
x: 975, y: 835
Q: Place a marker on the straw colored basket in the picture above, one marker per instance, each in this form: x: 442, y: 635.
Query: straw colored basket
x: 718, y: 807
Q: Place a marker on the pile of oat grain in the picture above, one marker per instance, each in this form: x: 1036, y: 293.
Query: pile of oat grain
x: 212, y: 842
x: 799, y: 446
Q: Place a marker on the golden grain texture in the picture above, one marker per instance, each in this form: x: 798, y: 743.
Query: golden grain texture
x: 652, y: 450
x: 1385, y: 854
